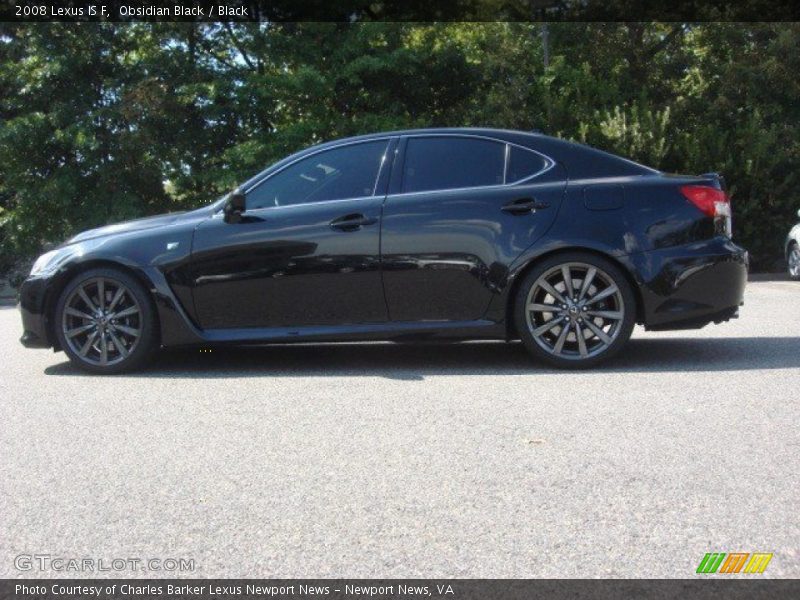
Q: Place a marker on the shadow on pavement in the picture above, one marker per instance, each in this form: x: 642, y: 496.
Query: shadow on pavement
x: 415, y: 362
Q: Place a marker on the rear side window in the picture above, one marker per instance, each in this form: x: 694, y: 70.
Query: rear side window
x: 441, y: 163
x: 523, y: 164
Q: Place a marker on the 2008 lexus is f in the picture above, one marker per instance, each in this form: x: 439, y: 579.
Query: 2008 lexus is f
x: 410, y: 235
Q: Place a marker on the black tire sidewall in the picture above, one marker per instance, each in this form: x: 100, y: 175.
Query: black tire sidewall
x: 792, y: 247
x: 628, y: 297
x: 143, y: 350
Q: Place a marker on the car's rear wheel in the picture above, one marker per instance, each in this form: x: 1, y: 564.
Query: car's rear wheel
x: 793, y: 261
x: 575, y: 310
x: 105, y: 321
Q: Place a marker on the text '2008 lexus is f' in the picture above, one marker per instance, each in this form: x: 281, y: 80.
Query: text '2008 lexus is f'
x: 456, y: 234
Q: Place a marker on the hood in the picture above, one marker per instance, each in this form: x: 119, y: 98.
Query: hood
x: 128, y: 226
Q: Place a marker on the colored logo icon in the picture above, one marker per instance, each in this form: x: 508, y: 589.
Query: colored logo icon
x: 737, y: 562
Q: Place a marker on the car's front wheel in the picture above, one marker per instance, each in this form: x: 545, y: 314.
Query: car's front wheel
x: 793, y: 261
x: 575, y: 310
x: 105, y: 321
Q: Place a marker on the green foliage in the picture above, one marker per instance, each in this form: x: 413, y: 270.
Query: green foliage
x: 103, y: 122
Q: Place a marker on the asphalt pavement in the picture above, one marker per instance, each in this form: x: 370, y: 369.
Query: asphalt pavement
x: 387, y: 460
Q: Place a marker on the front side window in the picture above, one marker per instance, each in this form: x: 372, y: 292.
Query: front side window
x: 441, y: 163
x: 346, y: 172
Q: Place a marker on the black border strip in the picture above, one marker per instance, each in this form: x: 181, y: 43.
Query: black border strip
x: 744, y: 588
x: 397, y: 10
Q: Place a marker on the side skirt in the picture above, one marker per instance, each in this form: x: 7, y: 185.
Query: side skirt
x: 411, y: 332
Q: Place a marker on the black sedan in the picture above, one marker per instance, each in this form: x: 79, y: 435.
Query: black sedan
x: 449, y: 234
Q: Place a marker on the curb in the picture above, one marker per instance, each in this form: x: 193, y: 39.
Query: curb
x: 768, y: 277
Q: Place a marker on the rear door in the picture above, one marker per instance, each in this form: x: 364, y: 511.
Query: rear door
x: 461, y: 209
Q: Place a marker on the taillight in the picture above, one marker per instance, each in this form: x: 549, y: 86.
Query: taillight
x: 712, y: 201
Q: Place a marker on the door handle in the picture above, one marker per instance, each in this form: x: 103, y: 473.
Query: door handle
x: 523, y: 206
x: 352, y: 222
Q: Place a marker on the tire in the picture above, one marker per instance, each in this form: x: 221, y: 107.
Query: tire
x: 793, y: 262
x: 605, y: 312
x: 113, y: 335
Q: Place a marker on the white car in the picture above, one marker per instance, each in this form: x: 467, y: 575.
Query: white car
x: 793, y: 251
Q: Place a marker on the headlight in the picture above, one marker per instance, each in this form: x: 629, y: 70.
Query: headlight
x: 50, y: 261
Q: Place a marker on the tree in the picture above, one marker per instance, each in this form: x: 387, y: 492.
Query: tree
x: 104, y: 122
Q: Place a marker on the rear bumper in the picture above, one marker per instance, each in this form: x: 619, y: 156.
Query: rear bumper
x: 687, y: 287
x: 32, y: 306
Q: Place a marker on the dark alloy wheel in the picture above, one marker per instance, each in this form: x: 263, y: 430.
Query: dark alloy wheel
x: 575, y: 310
x: 104, y: 321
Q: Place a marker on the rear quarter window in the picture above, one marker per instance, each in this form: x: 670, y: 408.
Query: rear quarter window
x: 523, y: 164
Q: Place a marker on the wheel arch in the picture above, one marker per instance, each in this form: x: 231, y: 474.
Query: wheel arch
x: 74, y: 269
x: 524, y: 268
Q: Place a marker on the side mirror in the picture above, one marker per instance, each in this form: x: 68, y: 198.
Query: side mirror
x: 235, y: 205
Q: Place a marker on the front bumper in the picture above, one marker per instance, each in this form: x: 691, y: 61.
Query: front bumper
x: 33, y: 308
x: 687, y: 287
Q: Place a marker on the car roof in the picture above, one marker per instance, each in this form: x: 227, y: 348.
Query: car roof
x: 501, y: 134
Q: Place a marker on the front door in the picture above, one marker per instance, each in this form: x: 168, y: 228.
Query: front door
x: 307, y: 251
